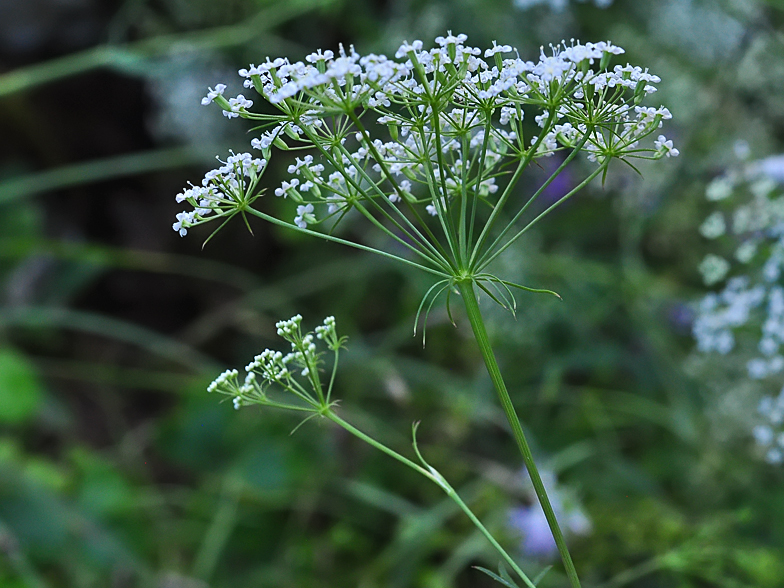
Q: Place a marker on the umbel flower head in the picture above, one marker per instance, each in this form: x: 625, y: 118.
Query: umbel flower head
x: 296, y: 373
x: 429, y: 145
x: 224, y: 192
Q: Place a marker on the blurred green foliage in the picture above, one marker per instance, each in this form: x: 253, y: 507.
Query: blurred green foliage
x: 117, y: 469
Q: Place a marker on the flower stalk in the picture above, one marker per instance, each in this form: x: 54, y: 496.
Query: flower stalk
x: 273, y: 370
x: 471, y: 304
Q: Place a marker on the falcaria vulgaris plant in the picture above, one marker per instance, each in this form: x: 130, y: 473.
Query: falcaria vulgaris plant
x: 429, y: 147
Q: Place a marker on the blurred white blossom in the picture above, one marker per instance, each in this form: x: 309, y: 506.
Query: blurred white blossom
x: 746, y: 317
x: 769, y: 435
x: 556, y: 5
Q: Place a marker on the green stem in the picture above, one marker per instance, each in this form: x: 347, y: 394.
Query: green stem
x: 459, y: 501
x: 380, y: 446
x: 418, y: 239
x: 480, y: 333
x: 536, y: 195
x: 438, y: 479
x: 276, y: 221
x: 390, y: 177
x: 529, y: 155
x: 488, y: 257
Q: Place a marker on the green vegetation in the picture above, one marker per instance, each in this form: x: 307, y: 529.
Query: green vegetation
x: 118, y: 469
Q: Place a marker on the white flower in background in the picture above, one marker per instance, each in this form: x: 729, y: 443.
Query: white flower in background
x: 753, y: 298
x: 720, y: 188
x: 176, y: 85
x: 713, y: 269
x: 556, y: 5
x: 746, y: 317
x: 771, y: 167
x: 769, y: 435
x: 714, y: 226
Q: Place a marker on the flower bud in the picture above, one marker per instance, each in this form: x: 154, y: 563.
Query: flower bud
x: 605, y: 61
x: 639, y: 92
x: 452, y: 51
x: 408, y: 172
x: 290, y: 132
x: 588, y: 89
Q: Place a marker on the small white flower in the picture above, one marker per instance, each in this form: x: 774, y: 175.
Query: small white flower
x: 405, y: 48
x: 497, y: 49
x: 285, y: 187
x: 319, y: 56
x: 664, y: 146
x: 713, y: 226
x: 183, y: 222
x: 304, y: 216
x: 237, y: 105
x: 713, y: 269
x: 213, y: 94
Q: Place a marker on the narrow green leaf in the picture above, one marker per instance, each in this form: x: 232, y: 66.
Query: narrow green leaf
x: 542, y: 574
x: 504, y: 574
x: 496, y: 577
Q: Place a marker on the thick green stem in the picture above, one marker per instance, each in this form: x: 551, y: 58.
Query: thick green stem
x: 480, y: 333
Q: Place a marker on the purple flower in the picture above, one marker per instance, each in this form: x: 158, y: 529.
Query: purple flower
x: 530, y: 523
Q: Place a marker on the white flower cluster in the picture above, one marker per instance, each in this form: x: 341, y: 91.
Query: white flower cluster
x: 232, y: 107
x: 303, y: 348
x: 224, y: 380
x: 228, y: 383
x: 751, y: 227
x: 224, y: 191
x: 273, y: 367
x: 454, y: 114
x: 770, y: 435
x: 746, y: 317
x: 720, y: 313
x: 328, y: 333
